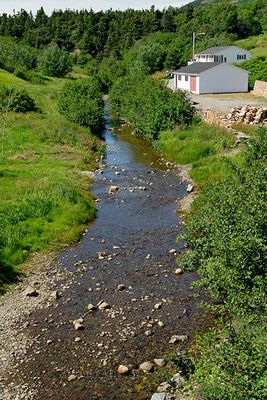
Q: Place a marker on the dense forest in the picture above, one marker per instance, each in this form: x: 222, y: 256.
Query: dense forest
x: 110, y: 33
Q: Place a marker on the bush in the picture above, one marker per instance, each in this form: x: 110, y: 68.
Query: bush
x: 257, y: 68
x: 14, y: 55
x: 54, y: 61
x: 226, y: 235
x: 14, y: 100
x: 81, y: 102
x: 148, y: 105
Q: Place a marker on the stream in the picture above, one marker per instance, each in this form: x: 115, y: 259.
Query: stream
x: 128, y: 244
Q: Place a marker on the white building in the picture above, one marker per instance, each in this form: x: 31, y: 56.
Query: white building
x: 211, y: 77
x: 228, y: 54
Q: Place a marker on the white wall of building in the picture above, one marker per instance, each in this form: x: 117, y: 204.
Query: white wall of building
x: 224, y: 78
x: 232, y: 54
x: 182, y: 83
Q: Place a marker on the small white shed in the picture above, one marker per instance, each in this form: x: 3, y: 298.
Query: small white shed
x: 211, y: 77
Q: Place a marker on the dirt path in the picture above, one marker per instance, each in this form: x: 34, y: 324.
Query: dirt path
x: 129, y: 244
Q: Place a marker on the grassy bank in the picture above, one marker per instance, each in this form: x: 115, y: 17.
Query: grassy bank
x: 226, y: 240
x: 204, y: 146
x: 44, y: 202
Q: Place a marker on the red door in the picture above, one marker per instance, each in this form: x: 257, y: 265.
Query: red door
x: 193, y: 83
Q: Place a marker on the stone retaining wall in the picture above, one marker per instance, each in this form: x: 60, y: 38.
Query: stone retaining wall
x: 260, y: 89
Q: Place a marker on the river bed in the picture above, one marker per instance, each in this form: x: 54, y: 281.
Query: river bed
x: 128, y: 244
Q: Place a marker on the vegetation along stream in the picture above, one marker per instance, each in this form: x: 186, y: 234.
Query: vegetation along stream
x: 128, y: 245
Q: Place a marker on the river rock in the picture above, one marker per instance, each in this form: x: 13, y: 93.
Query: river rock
x: 190, y: 188
x: 113, y: 189
x: 146, y: 366
x: 102, y: 305
x: 121, y: 287
x: 178, y: 271
x: 178, y: 338
x: 78, y: 326
x: 161, y: 324
x: 72, y: 377
x: 55, y: 295
x: 31, y: 292
x: 91, y: 307
x: 123, y: 370
x: 172, y: 251
x: 159, y: 396
x: 159, y: 362
x: 158, y: 306
x: 178, y: 380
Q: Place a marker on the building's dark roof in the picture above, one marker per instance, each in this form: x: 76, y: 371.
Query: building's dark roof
x: 214, y: 50
x: 196, y: 68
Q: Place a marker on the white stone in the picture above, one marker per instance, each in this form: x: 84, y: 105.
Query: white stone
x: 146, y: 366
x: 178, y: 338
x: 123, y: 370
x: 178, y: 271
x: 159, y: 362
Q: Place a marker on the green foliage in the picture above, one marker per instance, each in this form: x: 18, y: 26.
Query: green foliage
x: 54, y: 61
x: 81, y: 102
x: 257, y: 68
x: 44, y: 201
x: 15, y: 100
x: 14, y: 55
x: 148, y: 105
x: 226, y: 236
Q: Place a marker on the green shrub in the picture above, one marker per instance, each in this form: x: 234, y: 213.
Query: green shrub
x: 257, y: 68
x: 148, y: 105
x: 81, y: 102
x: 226, y: 236
x: 14, y: 100
x: 15, y: 55
x: 54, y: 61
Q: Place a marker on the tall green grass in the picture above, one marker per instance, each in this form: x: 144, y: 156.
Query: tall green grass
x: 44, y: 202
x: 201, y: 145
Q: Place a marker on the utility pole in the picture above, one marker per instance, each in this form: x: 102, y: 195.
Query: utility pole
x: 194, y: 41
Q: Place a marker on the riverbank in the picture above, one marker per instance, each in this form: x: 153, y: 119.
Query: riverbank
x: 45, y: 201
x: 129, y: 246
x: 226, y: 239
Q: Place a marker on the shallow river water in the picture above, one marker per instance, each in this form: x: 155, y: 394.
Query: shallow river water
x: 135, y: 230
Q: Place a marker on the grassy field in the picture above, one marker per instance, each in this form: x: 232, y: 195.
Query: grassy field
x: 257, y: 44
x: 44, y: 201
x: 204, y: 146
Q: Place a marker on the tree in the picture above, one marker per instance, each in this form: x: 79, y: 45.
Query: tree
x: 55, y: 62
x: 81, y: 102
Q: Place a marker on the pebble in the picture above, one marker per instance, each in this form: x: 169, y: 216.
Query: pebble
x: 178, y: 338
x: 161, y: 324
x: 121, y: 287
x: 123, y: 370
x: 31, y: 292
x: 148, y: 333
x: 72, y: 377
x: 77, y: 340
x: 146, y: 366
x: 172, y: 251
x: 190, y: 188
x: 158, y: 306
x: 102, y: 305
x: 178, y: 271
x: 91, y: 307
x: 159, y: 362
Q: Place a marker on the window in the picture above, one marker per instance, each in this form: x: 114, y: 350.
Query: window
x: 186, y: 78
x: 179, y: 77
x: 241, y: 56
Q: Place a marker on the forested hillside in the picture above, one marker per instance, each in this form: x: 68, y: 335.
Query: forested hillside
x: 110, y: 33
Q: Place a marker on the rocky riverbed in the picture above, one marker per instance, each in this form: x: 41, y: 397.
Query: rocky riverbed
x: 91, y: 323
